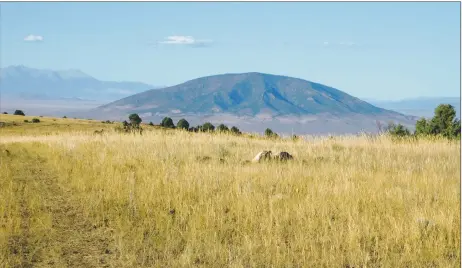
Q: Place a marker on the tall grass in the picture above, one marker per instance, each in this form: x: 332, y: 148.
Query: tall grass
x: 179, y: 199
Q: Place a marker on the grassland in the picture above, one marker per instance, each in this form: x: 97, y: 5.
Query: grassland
x: 69, y: 198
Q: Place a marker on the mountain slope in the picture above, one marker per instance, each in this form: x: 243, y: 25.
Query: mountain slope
x: 247, y: 94
x: 20, y: 82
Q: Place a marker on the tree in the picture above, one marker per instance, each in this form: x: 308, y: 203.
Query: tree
x: 133, y: 126
x: 19, y: 112
x: 5, y: 113
x: 444, y: 123
x: 207, y: 127
x: 235, y: 130
x: 135, y: 120
x: 444, y: 120
x: 64, y: 116
x: 422, y: 127
x: 151, y: 124
x: 167, y: 122
x: 222, y: 128
x: 182, y: 124
x: 35, y: 120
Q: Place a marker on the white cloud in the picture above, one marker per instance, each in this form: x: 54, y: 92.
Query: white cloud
x: 184, y: 40
x: 33, y: 38
x: 326, y: 43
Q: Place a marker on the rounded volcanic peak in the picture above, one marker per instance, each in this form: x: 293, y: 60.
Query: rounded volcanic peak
x: 251, y: 93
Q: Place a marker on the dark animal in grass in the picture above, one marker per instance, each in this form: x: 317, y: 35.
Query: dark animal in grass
x: 283, y: 156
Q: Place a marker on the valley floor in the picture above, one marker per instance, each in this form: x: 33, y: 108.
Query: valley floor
x: 69, y: 198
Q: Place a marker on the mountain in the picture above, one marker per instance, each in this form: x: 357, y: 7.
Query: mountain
x: 424, y: 106
x: 246, y: 94
x: 23, y: 83
x: 284, y: 102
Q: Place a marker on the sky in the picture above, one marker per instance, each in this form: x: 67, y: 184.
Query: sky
x: 373, y: 50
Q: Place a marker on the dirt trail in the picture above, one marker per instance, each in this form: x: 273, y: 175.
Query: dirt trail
x: 67, y: 239
x: 18, y: 244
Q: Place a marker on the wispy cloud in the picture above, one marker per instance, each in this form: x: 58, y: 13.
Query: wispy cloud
x: 33, y: 38
x: 185, y: 40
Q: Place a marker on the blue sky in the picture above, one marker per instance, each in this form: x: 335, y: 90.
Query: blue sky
x: 386, y: 50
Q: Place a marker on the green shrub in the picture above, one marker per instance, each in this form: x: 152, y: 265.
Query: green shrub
x: 35, y: 120
x: 397, y: 130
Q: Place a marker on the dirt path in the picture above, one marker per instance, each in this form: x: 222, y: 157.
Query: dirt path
x: 18, y: 244
x: 53, y: 232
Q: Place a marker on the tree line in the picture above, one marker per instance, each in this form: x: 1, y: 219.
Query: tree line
x: 167, y: 122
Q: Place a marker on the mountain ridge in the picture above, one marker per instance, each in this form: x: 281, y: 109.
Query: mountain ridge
x: 19, y: 81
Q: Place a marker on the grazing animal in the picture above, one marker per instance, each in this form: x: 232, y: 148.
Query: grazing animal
x: 262, y: 156
x: 99, y: 131
x: 283, y: 156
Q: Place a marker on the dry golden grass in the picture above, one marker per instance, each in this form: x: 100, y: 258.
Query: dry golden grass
x: 158, y: 201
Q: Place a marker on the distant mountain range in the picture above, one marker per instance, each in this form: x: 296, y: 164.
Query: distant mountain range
x: 20, y: 82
